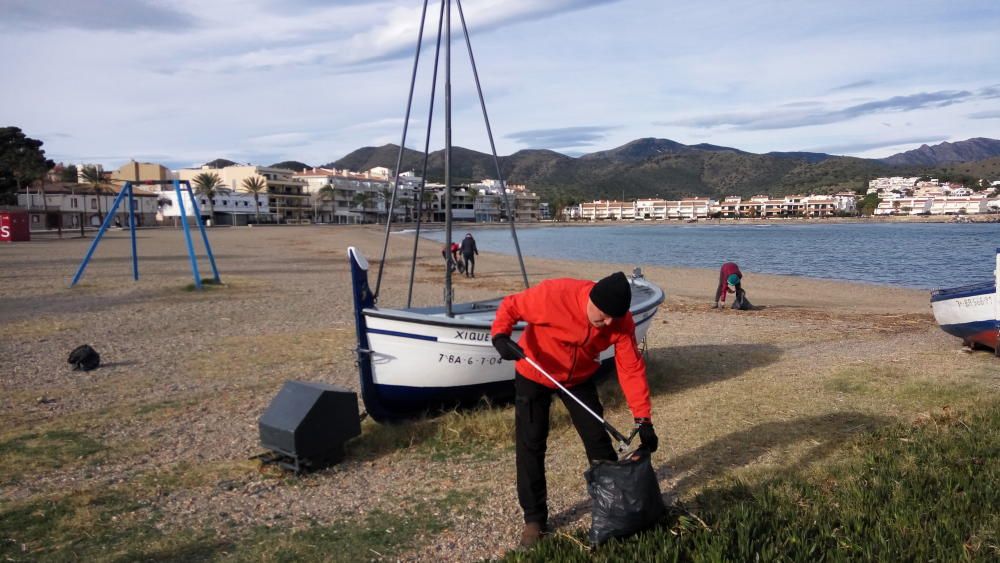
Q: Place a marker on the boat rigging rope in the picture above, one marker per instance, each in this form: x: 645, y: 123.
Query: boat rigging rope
x: 511, y: 212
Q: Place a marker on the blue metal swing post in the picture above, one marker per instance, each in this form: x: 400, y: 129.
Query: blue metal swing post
x: 204, y: 236
x: 187, y: 230
x: 127, y: 189
x: 131, y: 227
x: 100, y: 233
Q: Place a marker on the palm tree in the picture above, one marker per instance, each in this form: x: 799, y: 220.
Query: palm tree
x: 385, y: 194
x: 207, y: 184
x: 255, y: 185
x: 426, y: 198
x: 325, y: 194
x: 405, y: 201
x: 91, y: 175
x: 363, y: 198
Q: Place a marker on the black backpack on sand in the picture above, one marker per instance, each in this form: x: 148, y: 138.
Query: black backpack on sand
x: 84, y: 358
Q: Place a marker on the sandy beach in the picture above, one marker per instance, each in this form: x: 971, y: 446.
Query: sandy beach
x: 173, y: 411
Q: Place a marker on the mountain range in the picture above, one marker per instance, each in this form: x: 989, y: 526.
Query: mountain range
x: 652, y: 167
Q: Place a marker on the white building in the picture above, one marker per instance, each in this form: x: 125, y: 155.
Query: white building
x: 846, y: 202
x: 226, y: 208
x: 960, y: 205
x: 287, y: 200
x: 68, y: 205
x: 898, y: 184
x: 358, y: 197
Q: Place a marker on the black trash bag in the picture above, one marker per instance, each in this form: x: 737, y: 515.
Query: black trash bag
x: 626, y: 497
x: 741, y: 303
x: 461, y: 265
x: 84, y: 358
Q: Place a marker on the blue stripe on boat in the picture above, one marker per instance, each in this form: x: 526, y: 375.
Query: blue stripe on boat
x: 968, y: 329
x: 402, y: 334
x: 964, y: 291
x: 434, y: 338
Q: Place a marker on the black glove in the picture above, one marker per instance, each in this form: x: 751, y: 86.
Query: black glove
x: 646, y: 434
x: 509, y: 350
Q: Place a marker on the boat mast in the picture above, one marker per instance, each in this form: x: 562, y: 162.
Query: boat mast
x: 427, y: 152
x: 493, y: 147
x: 399, y: 157
x: 445, y: 19
x: 447, y: 160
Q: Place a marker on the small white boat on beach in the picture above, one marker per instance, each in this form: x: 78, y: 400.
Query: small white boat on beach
x: 417, y: 360
x: 971, y: 312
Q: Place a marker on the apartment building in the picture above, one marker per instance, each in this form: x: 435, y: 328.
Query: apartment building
x: 820, y: 206
x: 897, y: 184
x: 69, y: 205
x: 287, y: 199
x: 960, y: 205
x: 226, y: 207
x: 359, y: 197
x: 133, y: 171
x: 604, y: 210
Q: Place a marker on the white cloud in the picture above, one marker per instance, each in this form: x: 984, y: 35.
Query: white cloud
x: 312, y: 81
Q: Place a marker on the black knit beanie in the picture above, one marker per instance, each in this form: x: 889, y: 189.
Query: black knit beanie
x: 612, y: 295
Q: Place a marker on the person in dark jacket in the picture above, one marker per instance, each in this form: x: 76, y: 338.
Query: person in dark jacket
x: 569, y: 323
x: 730, y: 280
x: 469, y: 252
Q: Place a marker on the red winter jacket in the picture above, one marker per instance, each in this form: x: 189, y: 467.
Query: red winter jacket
x: 728, y: 269
x: 560, y: 339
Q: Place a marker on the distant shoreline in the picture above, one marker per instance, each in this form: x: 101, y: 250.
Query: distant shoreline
x: 465, y: 227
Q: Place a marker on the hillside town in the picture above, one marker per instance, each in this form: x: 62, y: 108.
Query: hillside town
x: 244, y: 194
x: 232, y: 194
x: 889, y: 196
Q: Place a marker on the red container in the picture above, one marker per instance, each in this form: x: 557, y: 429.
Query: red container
x: 14, y: 226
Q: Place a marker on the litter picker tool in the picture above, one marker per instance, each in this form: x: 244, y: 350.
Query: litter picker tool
x: 623, y: 442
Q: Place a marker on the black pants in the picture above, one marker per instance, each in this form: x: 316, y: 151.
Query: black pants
x: 531, y: 422
x: 470, y: 264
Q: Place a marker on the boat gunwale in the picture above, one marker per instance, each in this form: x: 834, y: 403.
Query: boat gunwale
x: 406, y: 315
x: 971, y: 290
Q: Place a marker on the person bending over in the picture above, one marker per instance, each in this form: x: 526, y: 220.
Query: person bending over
x: 569, y: 323
x: 730, y: 278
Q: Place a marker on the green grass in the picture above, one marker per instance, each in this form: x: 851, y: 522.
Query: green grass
x: 34, y: 452
x: 110, y: 526
x: 206, y: 283
x: 864, y: 380
x: 480, y: 433
x: 926, y: 492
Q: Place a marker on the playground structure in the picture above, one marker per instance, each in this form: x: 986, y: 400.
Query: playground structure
x: 180, y: 187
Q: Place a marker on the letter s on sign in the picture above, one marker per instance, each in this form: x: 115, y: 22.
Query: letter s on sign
x: 5, y: 231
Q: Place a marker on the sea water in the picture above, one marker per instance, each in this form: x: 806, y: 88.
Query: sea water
x: 917, y: 255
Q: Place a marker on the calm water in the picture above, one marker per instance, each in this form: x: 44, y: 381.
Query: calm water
x: 923, y: 255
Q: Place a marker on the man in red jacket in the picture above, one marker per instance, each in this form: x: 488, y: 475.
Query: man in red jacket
x: 570, y: 322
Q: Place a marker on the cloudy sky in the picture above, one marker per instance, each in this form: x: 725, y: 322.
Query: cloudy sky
x: 184, y: 81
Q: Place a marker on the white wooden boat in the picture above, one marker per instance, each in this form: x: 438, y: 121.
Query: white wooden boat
x: 971, y: 312
x: 417, y: 360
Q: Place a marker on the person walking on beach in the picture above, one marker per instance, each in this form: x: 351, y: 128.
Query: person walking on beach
x: 730, y: 278
x: 469, y: 252
x: 570, y: 322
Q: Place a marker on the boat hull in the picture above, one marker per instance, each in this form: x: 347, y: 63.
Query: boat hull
x: 971, y: 312
x: 416, y: 361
